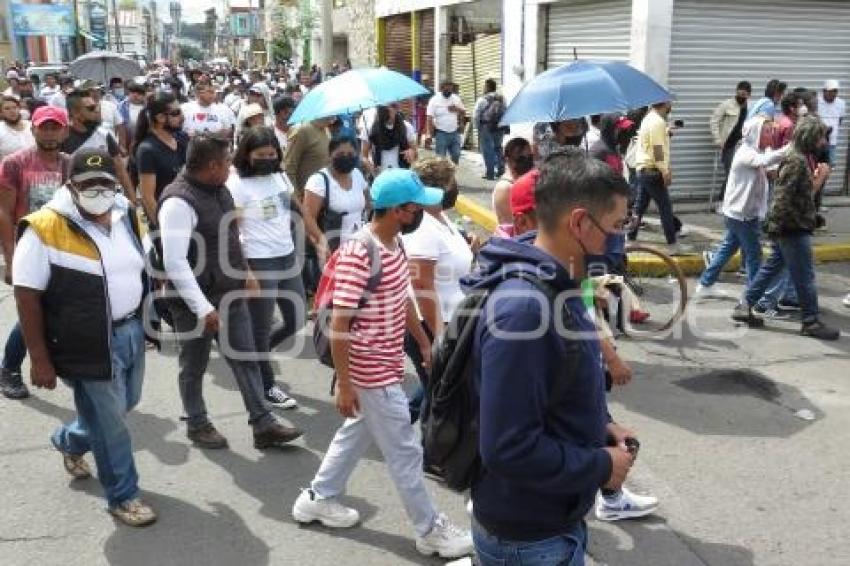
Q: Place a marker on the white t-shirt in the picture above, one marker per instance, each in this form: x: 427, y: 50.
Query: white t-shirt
x: 263, y: 205
x: 47, y: 91
x: 110, y: 116
x: 438, y: 108
x: 444, y: 244
x: 351, y: 202
x: 122, y: 262
x: 282, y: 139
x: 12, y: 140
x: 389, y: 157
x: 210, y: 118
x: 832, y: 113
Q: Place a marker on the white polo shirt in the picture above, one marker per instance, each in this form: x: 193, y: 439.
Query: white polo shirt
x: 121, y: 261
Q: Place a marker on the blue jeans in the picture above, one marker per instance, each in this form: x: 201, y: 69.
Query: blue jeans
x: 275, y: 274
x: 491, y: 150
x: 743, y: 235
x: 795, y: 252
x: 16, y: 349
x: 448, y: 144
x: 781, y: 290
x: 102, y: 407
x: 564, y: 550
x: 651, y: 187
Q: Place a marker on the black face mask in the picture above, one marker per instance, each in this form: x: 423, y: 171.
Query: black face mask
x: 91, y: 124
x: 523, y: 164
x: 740, y: 100
x: 417, y: 220
x: 265, y: 166
x: 450, y: 198
x: 447, y: 93
x: 345, y: 163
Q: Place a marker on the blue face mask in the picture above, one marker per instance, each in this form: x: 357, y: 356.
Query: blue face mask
x: 602, y: 264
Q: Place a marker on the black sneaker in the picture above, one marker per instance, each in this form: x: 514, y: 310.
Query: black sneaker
x: 12, y: 384
x: 788, y: 305
x: 743, y: 313
x: 819, y: 330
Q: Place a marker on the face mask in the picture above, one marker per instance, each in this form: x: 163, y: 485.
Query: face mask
x: 450, y: 198
x: 345, y: 163
x: 119, y: 92
x: 523, y: 164
x: 96, y: 205
x: 91, y: 124
x: 417, y: 220
x: 447, y: 93
x: 265, y: 166
x: 740, y: 100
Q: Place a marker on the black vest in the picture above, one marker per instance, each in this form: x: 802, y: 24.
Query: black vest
x: 214, y: 206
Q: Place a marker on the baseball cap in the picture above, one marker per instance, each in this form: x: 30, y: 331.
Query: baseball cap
x: 831, y: 84
x: 44, y: 114
x: 251, y: 110
x: 522, y: 193
x: 395, y: 187
x: 90, y: 163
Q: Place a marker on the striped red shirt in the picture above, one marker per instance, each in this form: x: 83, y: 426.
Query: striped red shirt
x: 376, y: 355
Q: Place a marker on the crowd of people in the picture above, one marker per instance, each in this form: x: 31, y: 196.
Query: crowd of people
x: 182, y: 205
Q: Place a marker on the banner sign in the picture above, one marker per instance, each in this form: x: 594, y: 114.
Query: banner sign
x: 43, y: 19
x: 97, y: 25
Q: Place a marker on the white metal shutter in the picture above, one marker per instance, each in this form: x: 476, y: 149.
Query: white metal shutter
x: 594, y: 29
x: 716, y: 43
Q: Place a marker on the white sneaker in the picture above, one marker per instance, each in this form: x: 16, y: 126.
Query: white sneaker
x: 329, y: 512
x: 467, y: 561
x: 277, y: 396
x: 446, y: 540
x: 626, y: 505
x: 846, y: 301
x: 710, y: 292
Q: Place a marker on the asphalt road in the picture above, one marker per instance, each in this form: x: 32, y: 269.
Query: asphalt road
x: 742, y: 479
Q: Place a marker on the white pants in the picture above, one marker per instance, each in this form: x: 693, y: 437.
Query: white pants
x: 384, y: 417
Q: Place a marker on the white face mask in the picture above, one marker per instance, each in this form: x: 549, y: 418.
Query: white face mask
x: 98, y: 205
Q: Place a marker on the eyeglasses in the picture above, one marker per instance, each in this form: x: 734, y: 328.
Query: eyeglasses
x: 622, y: 227
x: 94, y: 192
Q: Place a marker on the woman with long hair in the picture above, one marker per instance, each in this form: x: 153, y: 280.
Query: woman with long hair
x: 389, y: 142
x: 159, y: 148
x: 263, y: 196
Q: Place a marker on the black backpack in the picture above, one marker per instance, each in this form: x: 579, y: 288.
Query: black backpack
x: 450, y: 416
x: 493, y: 112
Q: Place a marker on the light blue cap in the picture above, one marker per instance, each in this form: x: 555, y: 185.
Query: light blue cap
x: 395, y: 187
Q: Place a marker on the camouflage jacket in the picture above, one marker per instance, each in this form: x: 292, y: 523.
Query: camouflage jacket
x: 793, y: 210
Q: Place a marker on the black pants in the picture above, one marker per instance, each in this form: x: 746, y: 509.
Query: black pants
x: 411, y: 348
x: 651, y: 186
x: 726, y: 159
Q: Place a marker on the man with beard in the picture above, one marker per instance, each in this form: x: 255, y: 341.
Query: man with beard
x: 28, y: 180
x: 15, y: 132
x: 367, y: 344
x: 86, y: 131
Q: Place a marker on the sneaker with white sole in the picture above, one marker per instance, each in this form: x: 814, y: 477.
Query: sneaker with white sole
x: 329, y: 512
x: 445, y: 540
x: 710, y: 292
x: 771, y: 313
x: 846, y: 301
x: 625, y: 505
x: 277, y: 396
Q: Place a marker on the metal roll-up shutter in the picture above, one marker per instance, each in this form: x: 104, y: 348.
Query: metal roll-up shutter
x: 717, y: 43
x: 399, y: 50
x: 592, y: 29
x: 426, y: 45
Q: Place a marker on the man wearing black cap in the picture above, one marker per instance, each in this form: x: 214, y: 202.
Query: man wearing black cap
x: 79, y: 277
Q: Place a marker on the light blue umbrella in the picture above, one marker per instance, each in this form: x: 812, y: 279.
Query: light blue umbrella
x: 583, y: 88
x: 353, y: 91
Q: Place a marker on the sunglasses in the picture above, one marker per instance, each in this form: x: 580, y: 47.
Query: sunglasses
x: 95, y: 192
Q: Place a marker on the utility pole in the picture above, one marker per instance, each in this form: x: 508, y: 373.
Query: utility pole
x: 119, y: 45
x: 327, y: 35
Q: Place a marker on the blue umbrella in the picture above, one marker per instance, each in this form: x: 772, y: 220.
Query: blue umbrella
x: 353, y: 91
x: 583, y: 88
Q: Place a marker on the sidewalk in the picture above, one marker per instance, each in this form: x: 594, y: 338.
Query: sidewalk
x: 702, y: 229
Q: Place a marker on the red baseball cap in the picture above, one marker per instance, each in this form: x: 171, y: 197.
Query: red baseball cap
x: 522, y: 192
x: 44, y: 114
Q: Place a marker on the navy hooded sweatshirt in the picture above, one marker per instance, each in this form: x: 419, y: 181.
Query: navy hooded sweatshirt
x: 541, y: 442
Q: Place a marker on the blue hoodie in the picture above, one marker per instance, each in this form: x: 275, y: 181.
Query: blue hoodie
x: 541, y: 442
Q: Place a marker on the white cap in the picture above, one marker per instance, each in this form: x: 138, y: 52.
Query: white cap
x: 831, y: 84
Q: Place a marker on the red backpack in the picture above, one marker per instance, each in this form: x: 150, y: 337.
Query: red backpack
x: 323, y: 300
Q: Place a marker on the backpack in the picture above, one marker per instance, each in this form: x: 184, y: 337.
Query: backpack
x: 323, y: 300
x: 493, y: 112
x: 450, y: 415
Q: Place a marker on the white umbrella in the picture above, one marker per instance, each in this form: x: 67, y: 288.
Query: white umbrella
x: 100, y: 66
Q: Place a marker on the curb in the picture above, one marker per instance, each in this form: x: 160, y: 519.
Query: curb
x: 691, y: 264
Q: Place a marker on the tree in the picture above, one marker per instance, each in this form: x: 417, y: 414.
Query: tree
x: 187, y: 52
